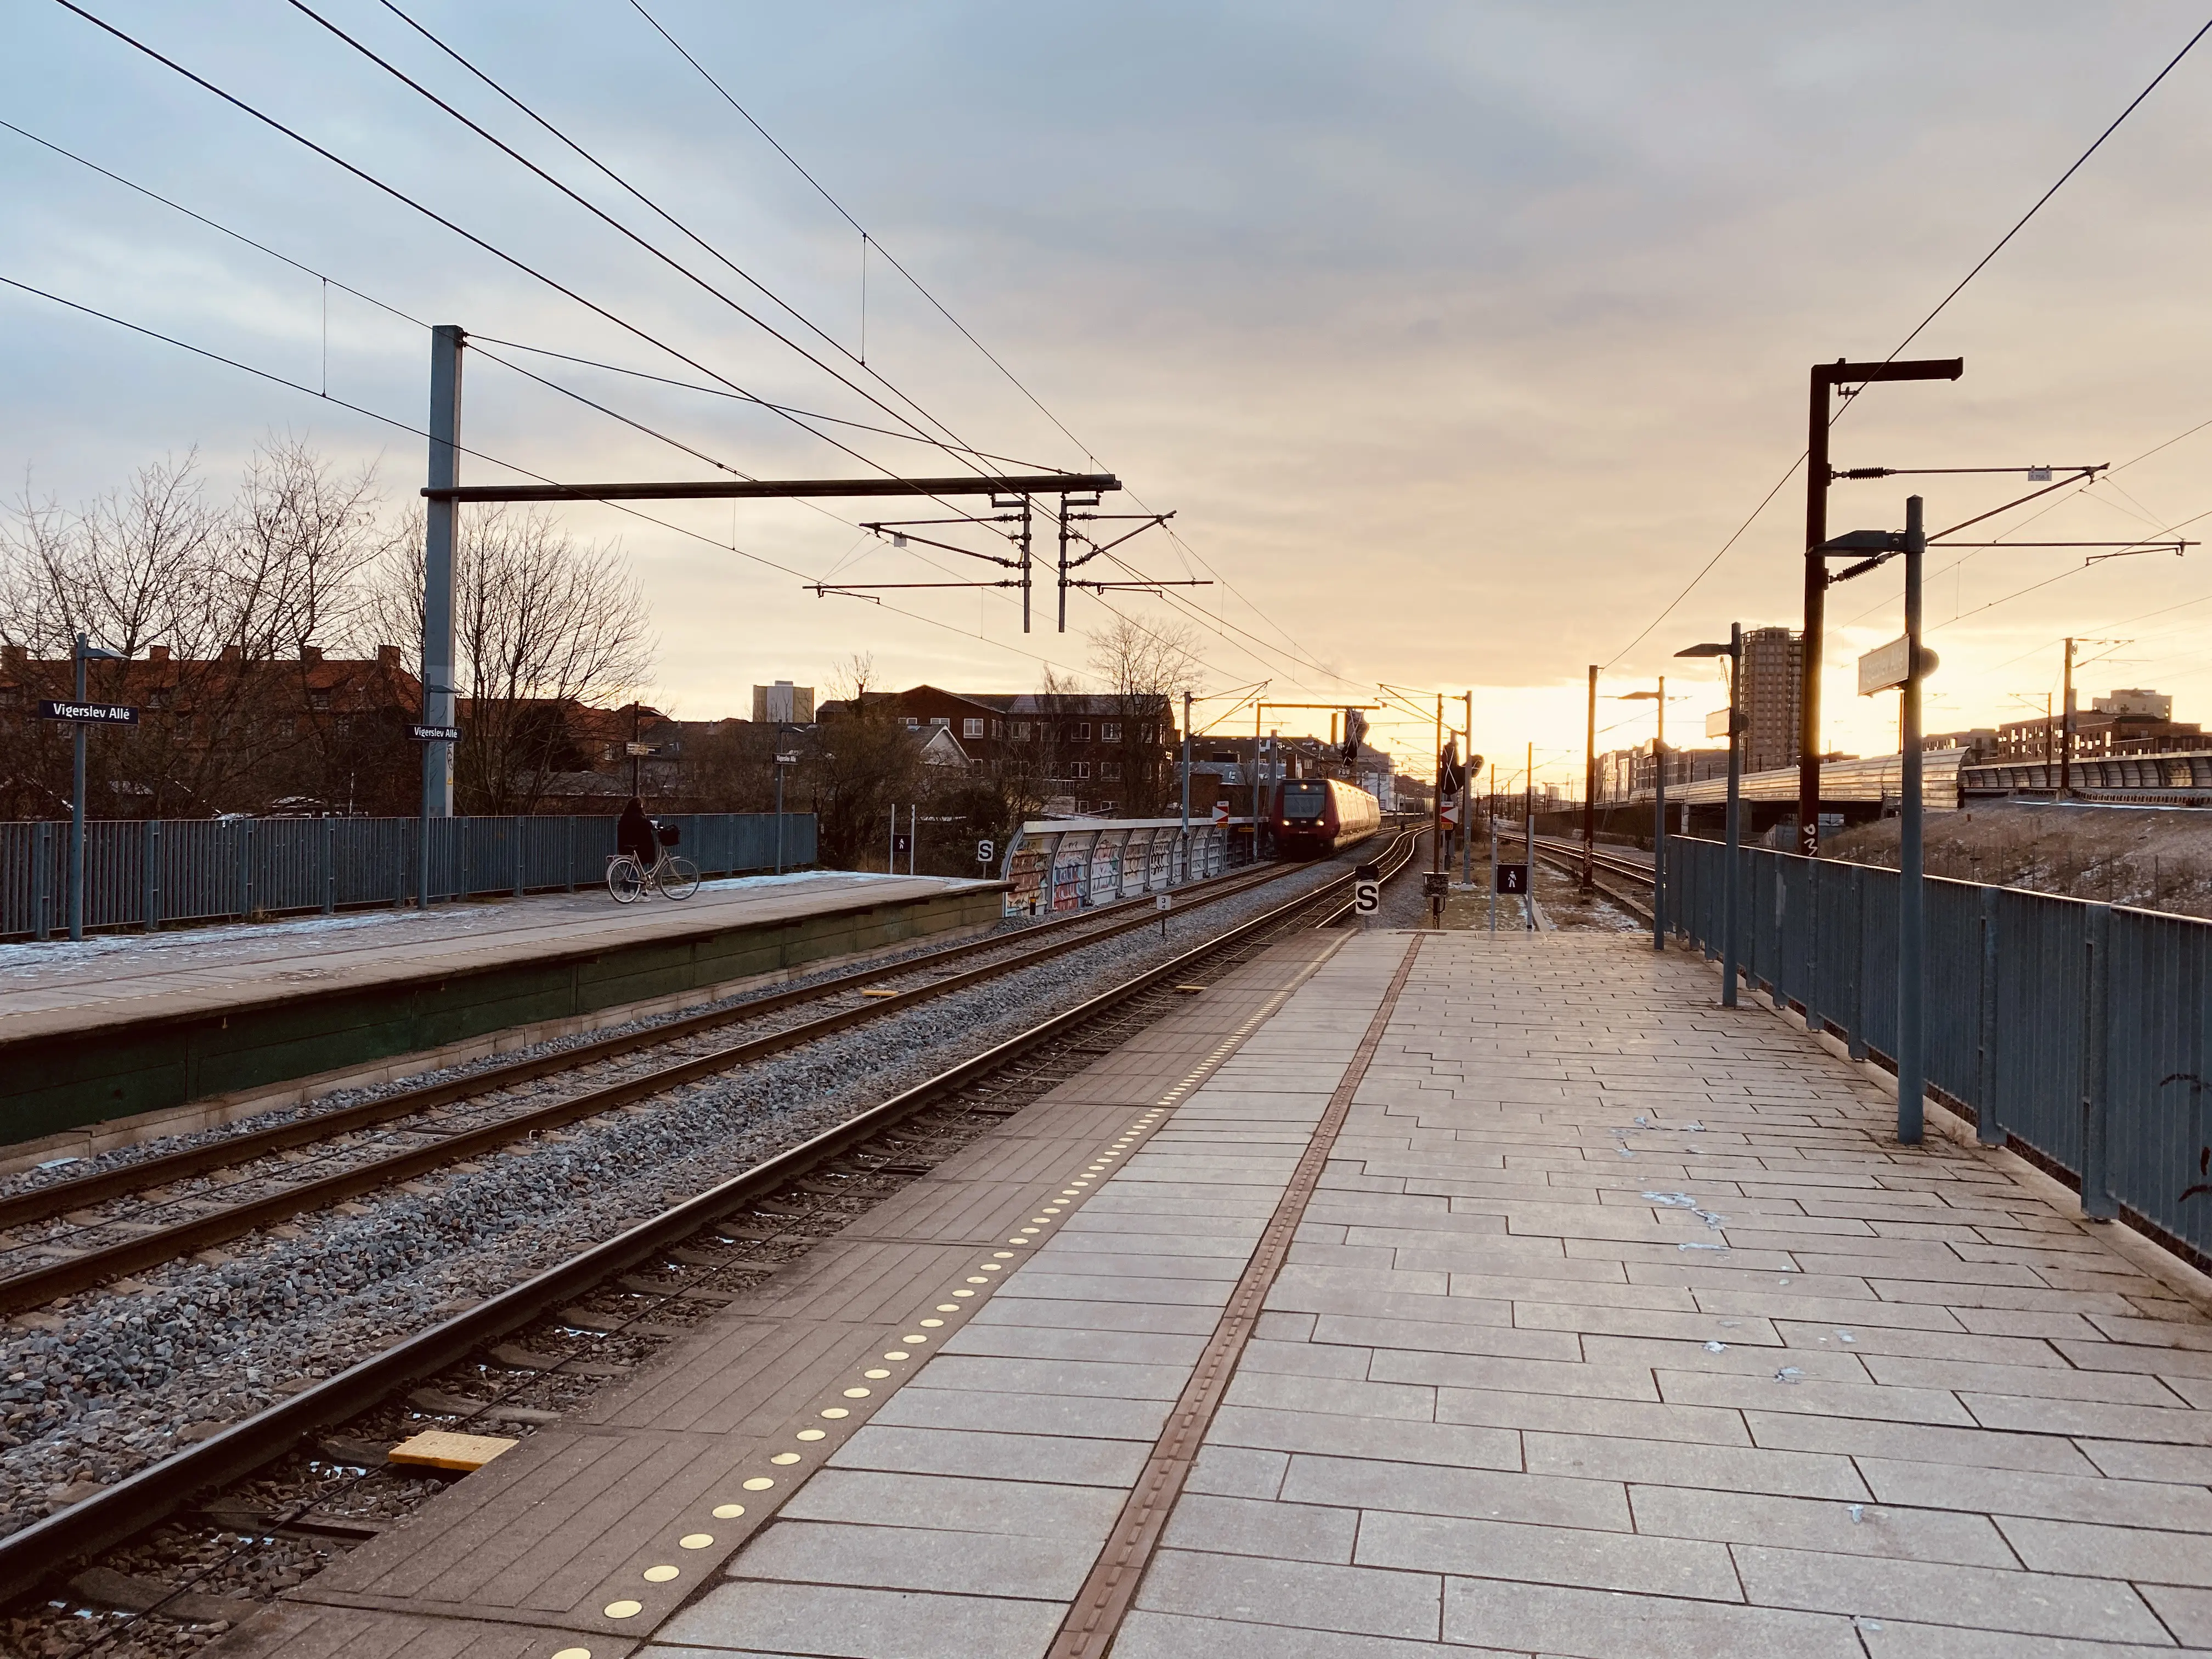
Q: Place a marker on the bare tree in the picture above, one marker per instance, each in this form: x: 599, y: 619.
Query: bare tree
x: 544, y: 625
x: 862, y: 762
x: 1145, y: 669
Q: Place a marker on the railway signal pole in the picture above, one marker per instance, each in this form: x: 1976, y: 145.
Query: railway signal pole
x: 1590, y: 786
x: 1826, y: 378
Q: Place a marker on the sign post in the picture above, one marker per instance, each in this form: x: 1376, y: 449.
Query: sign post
x: 447, y: 736
x: 81, y: 714
x: 1162, y: 902
x: 1366, y: 889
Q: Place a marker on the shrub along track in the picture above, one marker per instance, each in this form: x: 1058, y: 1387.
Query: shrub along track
x: 286, y: 1502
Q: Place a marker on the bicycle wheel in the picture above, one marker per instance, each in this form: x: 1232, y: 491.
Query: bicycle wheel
x: 625, y: 880
x: 679, y: 877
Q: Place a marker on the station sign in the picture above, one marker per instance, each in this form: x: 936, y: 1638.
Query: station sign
x: 1883, y: 668
x: 986, y: 851
x: 1367, y: 895
x: 434, y: 734
x: 1512, y: 878
x: 88, y: 713
x: 1717, y: 723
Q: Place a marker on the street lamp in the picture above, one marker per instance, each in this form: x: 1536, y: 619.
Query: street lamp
x: 1734, y: 652
x: 1658, y: 812
x: 1902, y: 666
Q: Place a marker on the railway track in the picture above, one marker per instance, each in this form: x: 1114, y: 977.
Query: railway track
x: 280, y: 1508
x: 1623, y: 881
x: 263, y: 1177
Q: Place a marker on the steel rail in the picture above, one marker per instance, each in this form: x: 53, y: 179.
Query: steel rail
x: 143, y: 1500
x: 42, y: 1203
x: 39, y: 1286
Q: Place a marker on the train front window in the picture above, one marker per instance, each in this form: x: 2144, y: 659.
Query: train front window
x: 1305, y: 798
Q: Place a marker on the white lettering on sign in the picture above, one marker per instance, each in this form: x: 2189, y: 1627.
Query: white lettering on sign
x: 986, y: 851
x: 93, y: 714
x: 1882, y: 669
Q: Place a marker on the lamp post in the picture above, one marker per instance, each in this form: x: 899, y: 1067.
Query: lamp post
x: 1902, y: 666
x: 1734, y: 652
x: 1658, y: 812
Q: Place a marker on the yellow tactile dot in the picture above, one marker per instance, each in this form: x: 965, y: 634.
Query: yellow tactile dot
x: 785, y: 1457
x: 858, y: 1394
x: 1017, y: 1241
x: 1003, y: 1255
x: 574, y: 1653
x: 811, y: 1434
x: 895, y: 1353
x: 758, y: 1483
x: 835, y: 1412
x: 942, y: 1307
x: 623, y: 1609
x: 1044, y: 1220
x: 967, y: 1292
x: 660, y: 1575
x: 973, y: 1278
x: 880, y: 1371
x: 910, y: 1337
x: 728, y: 1512
x: 1030, y: 1230
x: 1078, y: 1182
x: 1069, y: 1192
x: 695, y: 1540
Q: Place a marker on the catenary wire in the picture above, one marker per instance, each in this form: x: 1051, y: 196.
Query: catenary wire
x: 623, y: 184
x: 1921, y: 327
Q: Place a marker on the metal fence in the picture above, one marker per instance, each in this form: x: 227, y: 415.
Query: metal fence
x: 2080, y: 1030
x: 1073, y: 863
x: 144, y: 874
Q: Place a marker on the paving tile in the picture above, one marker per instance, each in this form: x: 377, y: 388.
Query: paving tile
x: 1298, y: 1595
x: 1093, y: 1378
x: 916, y: 1558
x: 1683, y: 1463
x: 1614, y: 1625
x: 1237, y: 1472
x: 865, y: 1624
x: 1011, y: 1508
x: 1058, y: 1342
x: 2094, y: 1498
x: 1173, y: 1636
x: 1391, y: 1440
x: 1007, y: 1308
x: 2129, y: 1460
x: 2041, y: 1604
x: 1336, y: 1396
x: 1629, y: 1418
x: 1546, y: 1555
x: 1283, y: 1531
x: 1911, y: 1534
x: 1056, y: 1459
x: 1302, y: 1358
x: 2106, y: 1552
x: 1779, y: 1391
x: 1085, y: 1417
x: 1439, y: 1336
x: 1892, y: 1638
x: 2187, y: 1612
x: 1862, y: 1437
x: 1373, y: 1484
x: 2178, y: 1425
x: 1549, y: 1377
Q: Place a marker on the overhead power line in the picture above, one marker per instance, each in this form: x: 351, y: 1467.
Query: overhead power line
x: 1921, y: 326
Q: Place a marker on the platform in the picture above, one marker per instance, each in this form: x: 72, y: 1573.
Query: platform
x: 120, y: 1026
x: 1616, y: 1325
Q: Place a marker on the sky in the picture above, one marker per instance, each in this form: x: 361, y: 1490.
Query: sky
x: 1460, y: 339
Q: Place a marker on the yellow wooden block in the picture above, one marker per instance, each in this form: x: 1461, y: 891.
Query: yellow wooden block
x: 442, y: 1448
x: 879, y: 993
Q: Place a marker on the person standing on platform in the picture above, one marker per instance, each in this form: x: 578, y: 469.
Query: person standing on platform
x: 634, y: 835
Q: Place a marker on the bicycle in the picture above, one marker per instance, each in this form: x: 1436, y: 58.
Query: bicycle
x: 628, y: 879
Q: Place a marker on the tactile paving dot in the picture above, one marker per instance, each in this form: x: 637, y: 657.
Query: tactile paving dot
x: 811, y: 1434
x: 1003, y: 1255
x: 930, y: 1325
x: 728, y: 1512
x: 623, y: 1609
x: 857, y: 1394
x: 758, y: 1483
x: 835, y: 1412
x: 878, y: 1372
x: 979, y: 1281
x: 659, y: 1575
x: 893, y: 1353
x: 973, y: 1278
x: 574, y: 1653
x: 695, y: 1540
x: 785, y: 1457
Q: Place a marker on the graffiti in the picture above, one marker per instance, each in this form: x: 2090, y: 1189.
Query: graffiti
x: 2203, y: 1168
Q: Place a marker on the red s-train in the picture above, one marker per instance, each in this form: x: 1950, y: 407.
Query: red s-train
x: 1312, y: 817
